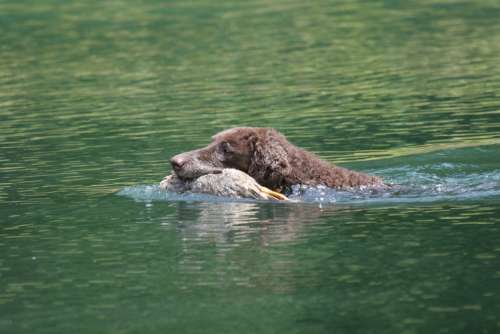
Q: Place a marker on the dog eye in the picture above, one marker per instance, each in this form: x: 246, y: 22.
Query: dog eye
x: 225, y: 147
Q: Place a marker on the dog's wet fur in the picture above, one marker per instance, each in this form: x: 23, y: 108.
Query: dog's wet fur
x: 268, y: 157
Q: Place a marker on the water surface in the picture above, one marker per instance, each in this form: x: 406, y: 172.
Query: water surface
x: 96, y: 96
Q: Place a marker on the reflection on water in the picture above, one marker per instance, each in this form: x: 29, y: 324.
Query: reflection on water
x: 95, y: 96
x: 314, y: 266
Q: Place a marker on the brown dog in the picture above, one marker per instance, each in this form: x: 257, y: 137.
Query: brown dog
x: 269, y: 158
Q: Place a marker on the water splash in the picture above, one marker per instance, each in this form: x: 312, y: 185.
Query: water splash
x: 153, y: 193
x: 439, y: 176
x: 423, y: 184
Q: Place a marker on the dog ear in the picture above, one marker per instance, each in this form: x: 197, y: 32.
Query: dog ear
x: 269, y: 163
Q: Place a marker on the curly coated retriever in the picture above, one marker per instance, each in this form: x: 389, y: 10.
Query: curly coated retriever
x: 270, y: 159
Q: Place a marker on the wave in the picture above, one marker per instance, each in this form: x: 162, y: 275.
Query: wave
x: 422, y: 184
x: 453, y: 175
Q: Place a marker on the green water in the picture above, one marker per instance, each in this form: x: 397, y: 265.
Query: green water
x: 95, y: 96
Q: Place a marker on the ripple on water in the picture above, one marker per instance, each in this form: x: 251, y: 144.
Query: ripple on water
x: 434, y: 177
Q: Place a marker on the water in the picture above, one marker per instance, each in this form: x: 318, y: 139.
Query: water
x: 423, y: 178
x: 95, y: 96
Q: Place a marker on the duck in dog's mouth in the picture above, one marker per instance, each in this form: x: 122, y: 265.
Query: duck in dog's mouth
x: 226, y: 182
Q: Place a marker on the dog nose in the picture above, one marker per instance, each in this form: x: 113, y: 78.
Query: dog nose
x: 177, y: 162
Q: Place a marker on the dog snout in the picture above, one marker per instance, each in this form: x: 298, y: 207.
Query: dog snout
x: 178, y: 162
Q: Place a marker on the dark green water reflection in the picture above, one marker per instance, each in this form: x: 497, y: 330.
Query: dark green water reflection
x: 95, y: 96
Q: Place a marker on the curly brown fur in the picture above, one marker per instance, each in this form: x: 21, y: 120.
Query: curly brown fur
x: 269, y: 158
